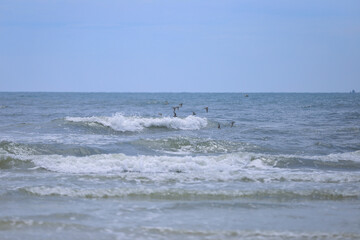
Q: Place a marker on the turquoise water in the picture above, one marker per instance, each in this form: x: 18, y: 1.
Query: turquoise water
x: 120, y: 166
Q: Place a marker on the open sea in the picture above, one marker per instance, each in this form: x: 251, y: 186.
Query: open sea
x: 120, y: 166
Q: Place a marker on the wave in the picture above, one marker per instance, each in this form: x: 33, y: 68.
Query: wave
x: 22, y: 149
x: 231, y: 167
x: 347, y: 160
x: 78, y: 145
x: 7, y: 162
x: 188, y: 145
x: 190, y: 194
x: 121, y: 123
x: 337, y: 157
x: 227, y: 162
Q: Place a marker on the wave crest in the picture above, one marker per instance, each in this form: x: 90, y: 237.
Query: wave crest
x: 234, y: 167
x: 119, y: 122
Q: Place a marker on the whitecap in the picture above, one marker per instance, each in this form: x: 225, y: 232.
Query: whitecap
x: 232, y: 167
x: 122, y: 123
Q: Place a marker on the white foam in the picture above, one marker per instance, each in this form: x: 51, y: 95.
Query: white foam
x: 120, y: 163
x: 333, y: 157
x: 13, y: 149
x: 258, y: 163
x: 123, y: 123
x: 348, y: 156
x: 225, y: 167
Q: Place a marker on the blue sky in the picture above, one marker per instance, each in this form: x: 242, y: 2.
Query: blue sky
x: 180, y: 45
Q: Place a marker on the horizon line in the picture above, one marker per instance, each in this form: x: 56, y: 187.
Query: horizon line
x: 165, y: 92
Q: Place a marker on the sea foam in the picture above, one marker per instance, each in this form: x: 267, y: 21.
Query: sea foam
x: 119, y: 122
x: 244, y: 167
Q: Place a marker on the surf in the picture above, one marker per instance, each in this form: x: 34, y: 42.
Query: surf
x: 122, y: 123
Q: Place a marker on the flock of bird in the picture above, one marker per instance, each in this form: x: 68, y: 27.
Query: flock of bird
x: 193, y: 113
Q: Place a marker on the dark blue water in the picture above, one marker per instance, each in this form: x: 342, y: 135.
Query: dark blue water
x: 121, y: 166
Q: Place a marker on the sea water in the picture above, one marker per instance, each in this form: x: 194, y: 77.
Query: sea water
x: 121, y: 166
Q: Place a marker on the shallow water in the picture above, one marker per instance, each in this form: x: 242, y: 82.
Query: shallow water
x: 109, y: 166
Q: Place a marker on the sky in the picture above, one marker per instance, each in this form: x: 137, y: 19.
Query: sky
x: 180, y: 45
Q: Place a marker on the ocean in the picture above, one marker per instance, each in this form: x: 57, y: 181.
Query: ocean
x: 121, y: 166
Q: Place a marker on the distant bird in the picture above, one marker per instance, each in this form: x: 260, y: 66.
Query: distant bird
x: 219, y: 126
x: 207, y: 109
x: 232, y: 123
x: 175, y: 114
x: 194, y: 113
x: 180, y: 104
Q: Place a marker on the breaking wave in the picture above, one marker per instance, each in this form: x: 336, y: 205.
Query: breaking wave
x: 232, y: 162
x: 231, y: 167
x: 121, y: 123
